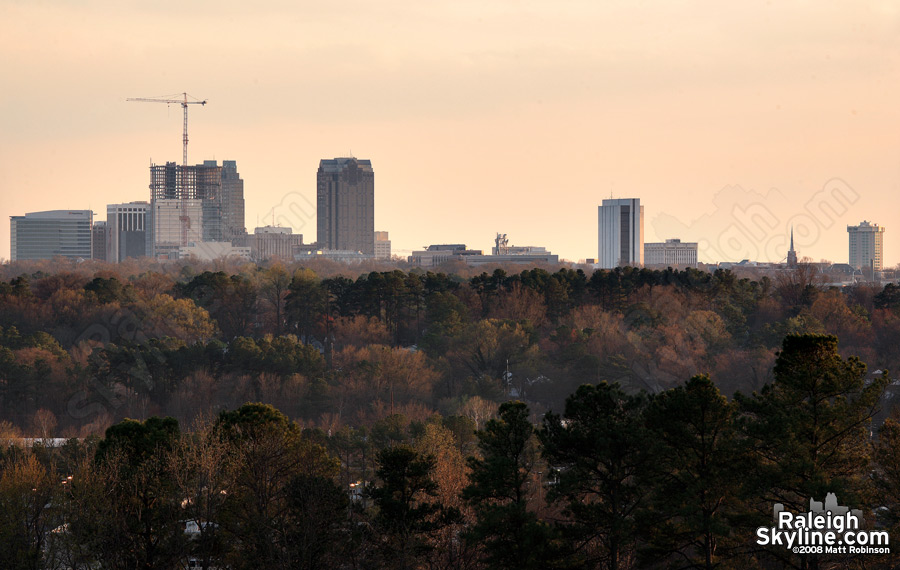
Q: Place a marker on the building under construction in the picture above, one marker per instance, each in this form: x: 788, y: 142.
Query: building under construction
x: 208, y: 198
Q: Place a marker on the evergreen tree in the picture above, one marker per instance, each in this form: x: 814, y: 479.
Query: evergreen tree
x: 601, y: 451
x: 696, y: 476
x: 406, y: 516
x: 500, y: 487
x: 810, y: 428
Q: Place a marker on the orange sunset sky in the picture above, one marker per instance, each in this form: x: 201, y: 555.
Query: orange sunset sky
x: 727, y: 119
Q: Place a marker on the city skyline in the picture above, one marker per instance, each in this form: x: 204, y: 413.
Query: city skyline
x: 529, y: 115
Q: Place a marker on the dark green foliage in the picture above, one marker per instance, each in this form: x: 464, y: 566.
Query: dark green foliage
x: 809, y: 429
x: 138, y: 441
x: 125, y: 512
x: 888, y: 298
x: 601, y: 451
x: 230, y: 300
x: 406, y: 516
x: 811, y: 425
x: 259, y: 514
x: 501, y: 483
x: 254, y: 420
x: 109, y: 290
x: 319, y: 532
x: 696, y: 477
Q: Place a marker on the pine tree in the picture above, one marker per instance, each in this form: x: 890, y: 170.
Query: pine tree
x: 511, y: 535
x: 697, y: 475
x: 601, y: 451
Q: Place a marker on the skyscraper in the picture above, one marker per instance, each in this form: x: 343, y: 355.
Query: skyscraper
x: 128, y: 231
x: 620, y: 232
x: 232, y: 201
x: 866, y: 246
x: 98, y: 241
x: 214, y: 203
x: 345, y: 203
x: 44, y: 235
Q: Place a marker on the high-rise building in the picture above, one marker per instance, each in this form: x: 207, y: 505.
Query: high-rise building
x: 345, y: 202
x: 218, y: 189
x: 44, y: 235
x: 620, y: 232
x: 382, y: 245
x: 671, y: 253
x: 128, y: 227
x: 98, y: 241
x: 866, y: 246
x: 232, y: 201
x: 167, y: 225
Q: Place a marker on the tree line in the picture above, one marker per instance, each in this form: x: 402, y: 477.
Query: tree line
x: 82, y: 348
x: 613, y: 480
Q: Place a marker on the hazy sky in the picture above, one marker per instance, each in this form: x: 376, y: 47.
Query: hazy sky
x: 725, y: 118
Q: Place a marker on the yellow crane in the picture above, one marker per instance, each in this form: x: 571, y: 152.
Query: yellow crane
x: 185, y: 219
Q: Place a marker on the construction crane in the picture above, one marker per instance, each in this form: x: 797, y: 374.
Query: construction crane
x: 185, y: 219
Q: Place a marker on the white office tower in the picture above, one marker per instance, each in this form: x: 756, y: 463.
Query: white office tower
x: 620, y: 224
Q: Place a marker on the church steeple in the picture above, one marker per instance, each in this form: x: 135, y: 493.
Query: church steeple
x: 792, y: 255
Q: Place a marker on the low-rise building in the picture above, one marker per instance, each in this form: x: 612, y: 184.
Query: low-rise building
x: 437, y: 254
x: 382, y: 245
x: 210, y: 250
x: 268, y: 242
x: 670, y: 253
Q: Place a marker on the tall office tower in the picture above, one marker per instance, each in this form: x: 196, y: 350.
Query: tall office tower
x: 620, y: 232
x: 232, y: 201
x: 128, y: 231
x: 98, y: 241
x: 866, y: 246
x: 44, y: 235
x: 219, y: 191
x: 382, y: 245
x: 346, y: 205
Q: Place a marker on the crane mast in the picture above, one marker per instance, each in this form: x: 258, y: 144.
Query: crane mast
x: 184, y: 218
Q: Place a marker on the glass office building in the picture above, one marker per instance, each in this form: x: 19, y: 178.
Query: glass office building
x: 45, y: 235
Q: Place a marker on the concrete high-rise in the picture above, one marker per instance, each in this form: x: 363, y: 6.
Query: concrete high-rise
x: 345, y: 203
x: 232, y: 201
x: 866, y: 246
x: 98, y: 241
x: 620, y: 229
x: 128, y: 231
x: 219, y: 192
x: 44, y: 235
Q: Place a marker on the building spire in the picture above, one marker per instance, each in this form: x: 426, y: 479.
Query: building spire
x: 792, y: 255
